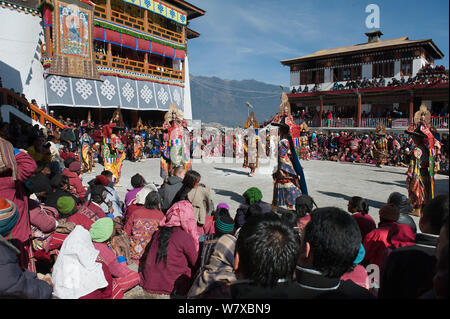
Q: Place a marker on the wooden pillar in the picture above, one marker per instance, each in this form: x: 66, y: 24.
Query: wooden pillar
x: 358, y: 115
x: 108, y: 10
x: 134, y: 118
x: 321, y: 111
x: 146, y: 62
x: 183, y: 34
x: 109, y: 54
x: 145, y: 21
x: 411, y: 108
x: 99, y: 115
x: 48, y: 44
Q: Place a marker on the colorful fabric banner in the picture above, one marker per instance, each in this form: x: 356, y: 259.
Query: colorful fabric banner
x: 72, y: 37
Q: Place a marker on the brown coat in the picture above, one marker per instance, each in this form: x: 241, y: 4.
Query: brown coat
x: 200, y: 199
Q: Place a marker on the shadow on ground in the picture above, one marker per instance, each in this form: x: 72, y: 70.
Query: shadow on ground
x: 231, y: 171
x: 372, y: 203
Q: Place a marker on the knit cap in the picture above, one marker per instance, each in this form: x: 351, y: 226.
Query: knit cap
x: 102, y: 229
x: 389, y: 212
x: 224, y: 224
x: 66, y: 205
x: 253, y: 195
x: 101, y: 180
x: 223, y: 205
x: 74, y: 166
x: 9, y: 215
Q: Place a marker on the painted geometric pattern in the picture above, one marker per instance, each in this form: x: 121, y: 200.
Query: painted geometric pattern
x: 161, y: 8
x: 76, y: 92
x: 108, y: 90
x: 128, y: 92
x: 83, y: 88
x: 58, y: 85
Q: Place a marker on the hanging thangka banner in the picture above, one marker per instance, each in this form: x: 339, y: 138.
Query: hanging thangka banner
x: 72, y: 40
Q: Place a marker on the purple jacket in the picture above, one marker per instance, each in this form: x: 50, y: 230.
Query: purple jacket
x: 131, y: 194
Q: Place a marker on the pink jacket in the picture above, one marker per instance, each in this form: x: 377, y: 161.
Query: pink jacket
x: 15, y: 192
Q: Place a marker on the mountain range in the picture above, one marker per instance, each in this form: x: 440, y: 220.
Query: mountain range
x: 216, y: 100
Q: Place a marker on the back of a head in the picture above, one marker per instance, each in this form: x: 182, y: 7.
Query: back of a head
x: 268, y: 250
x: 137, y: 181
x: 304, y: 205
x: 360, y: 204
x: 436, y: 212
x: 107, y: 173
x: 179, y: 171
x: 335, y: 240
x: 291, y: 218
x: 97, y: 193
x: 153, y: 200
x: 407, y: 274
x: 58, y: 181
x: 191, y: 178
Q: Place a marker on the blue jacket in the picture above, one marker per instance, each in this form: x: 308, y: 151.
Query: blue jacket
x: 16, y: 282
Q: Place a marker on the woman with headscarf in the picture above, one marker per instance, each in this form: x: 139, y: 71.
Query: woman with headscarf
x: 104, y: 233
x: 252, y: 196
x: 16, y: 166
x: 219, y: 268
x: 172, y: 255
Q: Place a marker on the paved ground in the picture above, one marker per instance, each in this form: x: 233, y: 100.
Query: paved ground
x: 329, y: 183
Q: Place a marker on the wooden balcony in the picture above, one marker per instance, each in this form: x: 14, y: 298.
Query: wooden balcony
x: 138, y: 24
x: 138, y: 67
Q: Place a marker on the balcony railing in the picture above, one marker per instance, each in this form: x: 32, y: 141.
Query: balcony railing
x: 440, y: 121
x: 138, y: 24
x: 138, y: 67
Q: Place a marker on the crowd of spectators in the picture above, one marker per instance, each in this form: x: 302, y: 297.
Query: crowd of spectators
x: 426, y: 75
x: 174, y: 242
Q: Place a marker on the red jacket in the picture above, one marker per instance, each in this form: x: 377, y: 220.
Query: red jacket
x: 75, y: 181
x: 15, y: 192
x: 388, y: 235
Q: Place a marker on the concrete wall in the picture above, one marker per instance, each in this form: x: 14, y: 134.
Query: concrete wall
x: 20, y: 54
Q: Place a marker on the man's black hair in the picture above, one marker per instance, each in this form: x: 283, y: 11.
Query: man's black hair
x: 268, y: 250
x: 137, y: 181
x: 334, y: 238
x: 107, y: 173
x: 152, y: 200
x: 436, y: 212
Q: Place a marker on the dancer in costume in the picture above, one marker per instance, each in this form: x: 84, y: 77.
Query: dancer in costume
x: 422, y: 169
x: 304, y: 143
x: 251, y: 142
x: 138, y: 147
x: 86, y: 143
x: 380, y: 145
x: 289, y: 179
x: 113, y: 150
x: 175, y: 151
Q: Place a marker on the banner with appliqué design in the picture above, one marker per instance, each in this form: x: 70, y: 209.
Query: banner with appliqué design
x: 111, y: 92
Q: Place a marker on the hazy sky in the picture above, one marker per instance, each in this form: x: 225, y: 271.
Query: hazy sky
x: 246, y: 39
